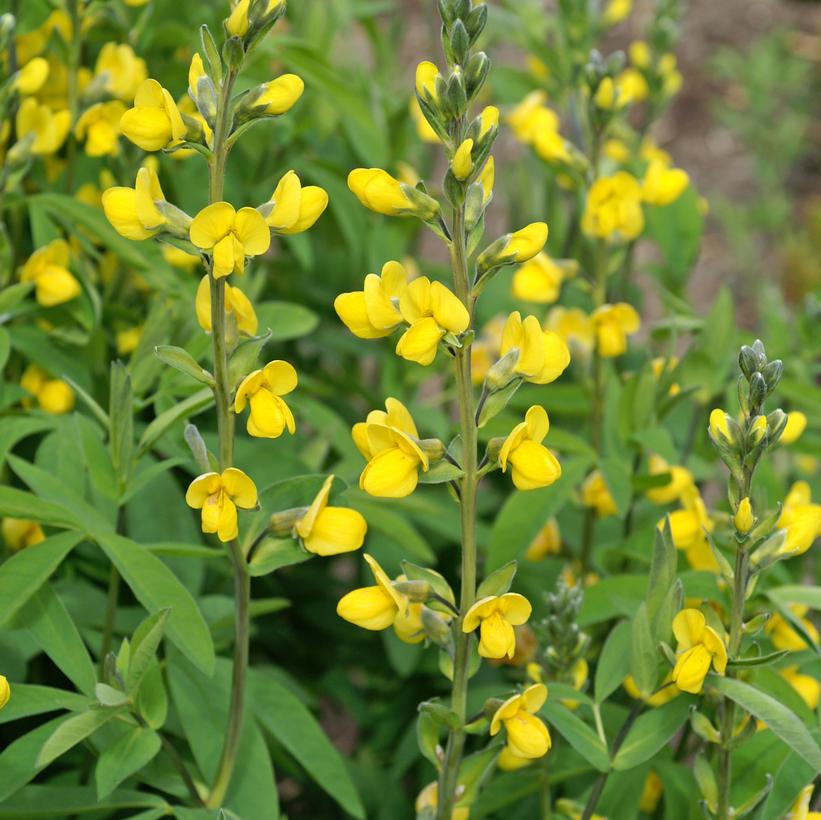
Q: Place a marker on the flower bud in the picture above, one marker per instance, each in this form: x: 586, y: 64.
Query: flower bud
x: 5, y: 691
x: 416, y: 592
x: 747, y: 361
x: 462, y: 164
x: 455, y: 101
x: 743, y: 518
x: 772, y: 374
x: 758, y: 390
x: 720, y: 426
x: 436, y: 627
x: 459, y: 42
x: 476, y: 72
x: 758, y: 430
x: 233, y: 52
x: 475, y: 22
x: 432, y: 448
x: 503, y: 371
x: 282, y: 523
x: 197, y: 446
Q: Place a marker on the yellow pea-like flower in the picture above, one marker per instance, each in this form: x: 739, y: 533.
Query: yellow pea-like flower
x: 5, y: 691
x: 531, y: 116
x: 19, y: 533
x: 527, y: 735
x: 802, y: 525
x: 375, y: 607
x: 155, y: 121
x: 612, y: 325
x: 510, y: 762
x: 640, y: 54
x: 631, y: 86
x: 532, y: 464
x: 281, y: 94
x: 596, y: 495
x: 495, y: 616
x: 615, y: 11
x: 238, y: 22
x: 699, y: 648
x: 328, y: 530
x: 651, y: 793
x: 794, y: 428
x: 218, y: 495
x: 525, y: 243
x: 379, y: 191
x: 720, y: 425
x: 292, y: 208
x: 613, y: 208
x: 486, y: 179
x: 807, y: 686
x: 31, y: 77
x: 428, y: 798
x: 134, y: 212
x: 681, y: 481
x: 230, y: 236
x: 687, y: 528
x: 389, y: 440
x: 99, y: 126
x: 426, y: 75
x: 662, y: 185
x: 263, y: 390
x: 540, y: 278
x: 47, y: 267
x: 744, y: 518
x: 784, y: 636
x: 432, y: 311
x: 665, y: 694
x: 373, y: 313
x: 548, y: 541
x: 542, y: 355
x: 462, y: 163
x: 573, y: 325
x: 53, y: 395
x: 424, y: 129
x: 121, y: 70
x: 488, y: 119
x: 127, y: 340
x: 48, y: 128
x: 237, y: 305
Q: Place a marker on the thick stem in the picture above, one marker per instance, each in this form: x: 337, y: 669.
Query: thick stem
x: 448, y: 781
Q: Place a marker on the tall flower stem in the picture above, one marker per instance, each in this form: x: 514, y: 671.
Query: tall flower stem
x: 225, y: 429
x: 448, y: 780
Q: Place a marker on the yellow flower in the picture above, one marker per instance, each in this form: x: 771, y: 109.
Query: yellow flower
x: 616, y: 150
x: 542, y: 356
x: 281, y: 94
x: 432, y: 311
x: 662, y: 366
x: 30, y: 78
x: 688, y: 526
x: 389, y: 440
x: 662, y: 185
x: 719, y: 424
x: 540, y: 278
x: 99, y: 126
x: 631, y: 87
x: 488, y: 119
x: 640, y: 54
x: 807, y: 686
x: 681, y: 481
x: 53, y: 395
x: 527, y: 736
x: 5, y: 691
x: 525, y: 243
x: 237, y: 24
x: 548, y: 541
x: 795, y: 426
x: 48, y: 269
x: 462, y: 163
x: 800, y: 518
x: 128, y: 339
x: 328, y: 530
x: 784, y: 636
x: 237, y: 305
x: 531, y: 116
x: 551, y: 146
x: 375, y: 607
x: 800, y: 809
x: 229, y: 236
x: 19, y: 533
x: 379, y: 191
x: 607, y: 96
x: 613, y: 208
x: 424, y: 129
x: 532, y: 464
x: 510, y: 762
x: 744, y: 518
x: 426, y: 74
x: 651, y: 793
x: 486, y: 179
x: 578, y: 673
x: 666, y: 692
x: 595, y: 495
x: 615, y: 11
x: 496, y: 616
x: 180, y: 258
x: 49, y: 128
x: 428, y: 798
x: 263, y: 390
x: 133, y: 212
x: 121, y: 71
x: 699, y: 647
x: 573, y: 325
x: 373, y: 313
x: 292, y: 208
x: 218, y: 495
x: 155, y: 121
x: 612, y: 325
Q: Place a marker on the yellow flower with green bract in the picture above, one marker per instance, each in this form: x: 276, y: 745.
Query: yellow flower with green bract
x: 526, y: 734
x: 238, y: 308
x: 373, y: 313
x: 541, y: 356
x: 699, y: 648
x: 532, y: 465
x: 229, y: 236
x: 218, y: 495
x: 293, y: 208
x: 326, y: 530
x: 48, y: 269
x: 46, y: 129
x: 155, y: 121
x: 263, y: 390
x: 495, y: 616
x: 374, y: 607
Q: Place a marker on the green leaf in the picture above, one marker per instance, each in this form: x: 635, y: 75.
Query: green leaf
x: 616, y: 474
x: 614, y: 597
x: 808, y: 596
x: 578, y: 734
x: 50, y: 801
x: 182, y: 360
x: 121, y: 421
x: 783, y: 722
x: 274, y: 553
x: 156, y: 588
x: 72, y: 731
x: 134, y: 750
x: 663, y: 567
x: 614, y: 662
x: 651, y: 732
x: 440, y: 473
x: 16, y: 429
x: 498, y: 582
x: 12, y: 295
x: 381, y: 519
x: 29, y: 699
x: 194, y: 404
x: 109, y: 696
x: 524, y: 513
x: 144, y: 645
x: 27, y: 570
x: 286, y: 320
x: 644, y: 655
x: 282, y: 714
x: 20, y: 504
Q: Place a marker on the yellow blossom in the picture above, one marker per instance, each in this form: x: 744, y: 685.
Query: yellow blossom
x: 180, y: 258
x: 128, y: 339
x: 218, y: 495
x: 662, y: 185
x: 699, y: 647
x: 237, y: 305
x: 541, y: 355
x: 681, y: 481
x: 47, y: 267
x: 807, y: 686
x: 783, y: 634
x: 19, y: 533
x: 5, y: 691
x: 612, y: 325
x: 510, y: 762
x: 496, y: 615
x: 486, y: 179
x: 99, y: 126
x: 293, y: 208
x: 30, y: 78
x: 373, y: 312
x: 389, y: 440
x: 237, y: 24
x: 540, y: 278
x: 719, y: 425
x: 532, y: 464
x: 431, y: 311
x: 573, y: 325
x: 280, y: 94
x: 744, y: 518
x: 795, y: 426
x: 548, y: 541
x: 688, y: 526
x: 462, y: 163
x: 661, y: 366
x: 379, y: 191
x: 631, y: 87
x: 531, y: 116
x: 613, y: 208
x: 615, y: 11
x: 155, y: 121
x: 801, y: 520
x: 53, y: 395
x: 328, y: 530
x: 666, y: 692
x: 640, y: 54
x: 49, y: 128
x: 527, y: 736
x: 426, y: 75
x: 121, y: 70
x: 800, y: 809
x: 596, y: 495
x: 525, y: 243
x: 230, y: 236
x: 424, y: 129
x: 263, y: 390
x: 651, y: 793
x: 428, y: 798
x: 616, y: 150
x: 133, y: 212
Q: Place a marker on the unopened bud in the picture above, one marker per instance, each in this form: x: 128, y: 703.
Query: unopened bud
x: 758, y: 429
x: 772, y: 374
x: 459, y: 42
x: 758, y: 390
x: 198, y: 449
x: 233, y: 52
x: 476, y: 73
x: 475, y: 22
x: 436, y: 627
x: 743, y: 518
x: 720, y: 426
x: 432, y: 448
x: 503, y: 371
x: 776, y: 422
x: 416, y: 592
x: 747, y: 361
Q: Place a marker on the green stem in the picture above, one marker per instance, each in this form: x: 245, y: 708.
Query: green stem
x: 110, y: 612
x: 225, y: 429
x: 448, y: 780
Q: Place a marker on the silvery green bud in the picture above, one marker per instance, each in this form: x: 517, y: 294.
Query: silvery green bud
x: 455, y: 100
x: 233, y: 52
x: 475, y: 22
x: 437, y: 628
x: 476, y: 72
x: 772, y: 374
x: 776, y: 422
x: 446, y: 12
x: 198, y: 449
x: 758, y: 391
x: 459, y: 42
